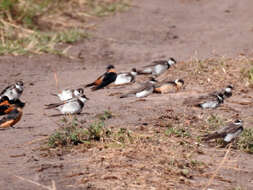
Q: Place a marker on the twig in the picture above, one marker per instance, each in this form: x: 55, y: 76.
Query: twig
x: 38, y: 184
x: 217, y: 170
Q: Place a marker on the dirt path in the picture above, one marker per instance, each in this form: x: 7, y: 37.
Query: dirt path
x: 149, y: 30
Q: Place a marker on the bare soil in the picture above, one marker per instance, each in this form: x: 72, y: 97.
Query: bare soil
x: 186, y: 30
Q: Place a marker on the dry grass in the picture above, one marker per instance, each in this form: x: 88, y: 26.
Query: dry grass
x: 32, y: 26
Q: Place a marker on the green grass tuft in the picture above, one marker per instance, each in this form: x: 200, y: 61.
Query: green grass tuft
x: 245, y: 141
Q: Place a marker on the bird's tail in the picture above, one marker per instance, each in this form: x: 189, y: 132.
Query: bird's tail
x: 90, y: 84
x: 54, y: 94
x: 50, y: 106
x: 210, y: 136
x: 140, y: 72
x: 126, y: 95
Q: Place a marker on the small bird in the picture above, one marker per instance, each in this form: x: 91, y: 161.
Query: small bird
x: 7, y: 106
x: 71, y: 106
x: 228, y: 91
x: 158, y: 67
x: 125, y: 78
x: 228, y: 133
x: 14, y: 91
x: 13, y: 116
x: 169, y: 86
x: 145, y: 90
x: 105, y: 79
x: 69, y: 93
x: 210, y: 101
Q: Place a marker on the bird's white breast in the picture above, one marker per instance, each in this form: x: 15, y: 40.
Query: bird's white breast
x: 209, y: 105
x: 144, y: 93
x: 159, y: 69
x: 70, y: 108
x: 122, y: 79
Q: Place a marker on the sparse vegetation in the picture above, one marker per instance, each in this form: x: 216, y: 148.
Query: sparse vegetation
x: 31, y: 26
x: 214, y: 121
x: 245, y: 141
x: 73, y: 133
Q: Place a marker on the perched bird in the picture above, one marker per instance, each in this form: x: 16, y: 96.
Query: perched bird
x: 228, y: 133
x: 69, y: 93
x: 169, y: 86
x: 71, y: 106
x: 14, y: 91
x: 107, y: 78
x: 7, y: 105
x: 125, y: 78
x: 210, y: 101
x: 145, y: 90
x: 158, y: 67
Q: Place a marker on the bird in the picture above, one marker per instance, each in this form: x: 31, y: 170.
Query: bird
x: 125, y: 78
x: 210, y: 101
x: 69, y: 93
x: 228, y: 133
x: 145, y: 90
x: 158, y: 67
x: 12, y: 112
x: 105, y: 79
x: 14, y: 91
x: 227, y: 91
x: 71, y: 106
x: 169, y: 86
x: 7, y: 106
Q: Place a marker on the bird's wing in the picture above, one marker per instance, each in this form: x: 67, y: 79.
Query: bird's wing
x: 11, y: 119
x: 108, y: 78
x: 154, y: 63
x: 10, y: 87
x: 141, y: 88
x: 97, y: 81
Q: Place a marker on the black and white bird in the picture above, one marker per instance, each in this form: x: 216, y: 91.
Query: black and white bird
x: 210, y: 101
x: 169, y: 86
x: 71, y: 106
x: 228, y: 91
x: 125, y: 78
x: 14, y: 91
x: 227, y: 133
x: 158, y: 67
x: 69, y: 93
x: 105, y: 79
x: 145, y: 90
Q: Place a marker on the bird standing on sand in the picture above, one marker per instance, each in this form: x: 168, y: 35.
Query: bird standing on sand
x: 105, y: 79
x: 228, y: 133
x: 69, y: 93
x: 169, y: 86
x: 125, y: 78
x: 14, y: 91
x: 210, y: 101
x: 71, y: 106
x: 158, y: 67
x: 145, y: 90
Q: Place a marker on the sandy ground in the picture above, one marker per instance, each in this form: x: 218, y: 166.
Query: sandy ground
x: 150, y: 30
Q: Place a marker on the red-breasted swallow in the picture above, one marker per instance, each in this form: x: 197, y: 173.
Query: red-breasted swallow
x: 11, y: 118
x: 107, y: 78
